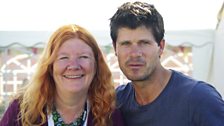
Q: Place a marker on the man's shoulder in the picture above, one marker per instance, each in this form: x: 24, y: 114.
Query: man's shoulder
x: 205, y: 97
x: 124, y: 92
x: 183, y: 81
x: 124, y: 88
x: 204, y: 90
x: 197, y: 86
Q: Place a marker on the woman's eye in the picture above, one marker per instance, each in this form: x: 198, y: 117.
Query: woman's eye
x: 84, y: 56
x: 63, y: 58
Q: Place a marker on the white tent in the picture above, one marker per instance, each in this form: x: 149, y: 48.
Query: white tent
x: 201, y: 42
x: 207, y: 49
x: 217, y: 66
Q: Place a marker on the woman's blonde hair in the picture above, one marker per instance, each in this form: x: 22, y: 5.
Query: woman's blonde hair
x: 37, y: 98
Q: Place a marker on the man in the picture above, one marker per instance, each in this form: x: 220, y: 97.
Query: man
x: 157, y: 96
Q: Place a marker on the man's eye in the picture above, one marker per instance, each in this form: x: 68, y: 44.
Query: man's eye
x: 145, y: 42
x: 125, y: 43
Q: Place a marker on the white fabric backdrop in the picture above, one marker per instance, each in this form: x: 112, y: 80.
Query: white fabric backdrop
x: 217, y: 66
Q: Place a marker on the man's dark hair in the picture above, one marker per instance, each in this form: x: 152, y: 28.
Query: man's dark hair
x: 132, y: 15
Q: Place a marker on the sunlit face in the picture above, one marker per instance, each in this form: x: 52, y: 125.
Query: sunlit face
x: 74, y: 67
x: 137, y: 52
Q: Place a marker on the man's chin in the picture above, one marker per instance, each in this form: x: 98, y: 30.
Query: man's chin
x: 135, y: 78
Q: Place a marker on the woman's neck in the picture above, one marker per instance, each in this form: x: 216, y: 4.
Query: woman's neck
x: 70, y: 108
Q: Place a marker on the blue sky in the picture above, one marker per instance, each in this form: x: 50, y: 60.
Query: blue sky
x: 48, y: 15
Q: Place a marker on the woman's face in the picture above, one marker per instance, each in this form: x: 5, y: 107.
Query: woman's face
x: 74, y: 67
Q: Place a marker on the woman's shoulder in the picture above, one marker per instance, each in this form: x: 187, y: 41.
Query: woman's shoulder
x: 10, y: 116
x: 13, y: 106
x: 117, y: 118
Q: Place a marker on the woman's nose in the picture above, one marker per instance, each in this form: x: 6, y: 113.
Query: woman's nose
x: 73, y: 65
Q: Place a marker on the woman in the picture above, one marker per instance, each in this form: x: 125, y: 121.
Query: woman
x: 72, y: 85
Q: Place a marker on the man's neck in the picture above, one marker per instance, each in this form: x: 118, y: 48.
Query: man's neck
x: 147, y: 91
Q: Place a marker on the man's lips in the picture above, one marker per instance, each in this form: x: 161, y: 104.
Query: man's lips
x: 135, y: 65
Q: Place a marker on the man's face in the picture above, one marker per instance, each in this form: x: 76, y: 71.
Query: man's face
x: 138, y: 53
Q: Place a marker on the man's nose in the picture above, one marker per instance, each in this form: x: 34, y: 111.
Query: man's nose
x: 136, y: 51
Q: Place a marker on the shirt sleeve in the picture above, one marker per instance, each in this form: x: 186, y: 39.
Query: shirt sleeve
x: 207, y: 106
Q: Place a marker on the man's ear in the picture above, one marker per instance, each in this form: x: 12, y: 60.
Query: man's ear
x: 161, y: 46
x: 114, y: 45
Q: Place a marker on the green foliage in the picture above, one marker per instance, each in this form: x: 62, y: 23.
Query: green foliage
x: 2, y: 109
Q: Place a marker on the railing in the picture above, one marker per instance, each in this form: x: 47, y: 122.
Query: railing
x: 16, y: 70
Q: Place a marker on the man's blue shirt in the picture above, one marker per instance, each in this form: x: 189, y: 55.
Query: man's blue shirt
x: 183, y: 102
